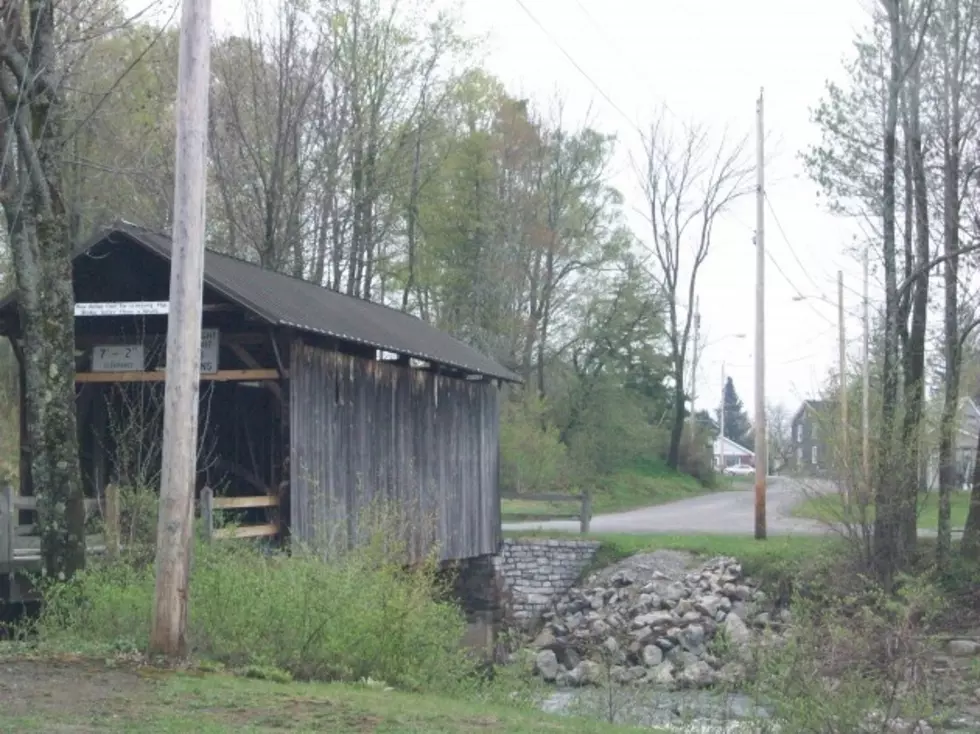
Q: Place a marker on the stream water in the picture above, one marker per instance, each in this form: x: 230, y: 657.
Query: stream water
x: 690, y: 712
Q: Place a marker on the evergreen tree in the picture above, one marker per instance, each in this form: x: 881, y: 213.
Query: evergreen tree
x: 738, y: 427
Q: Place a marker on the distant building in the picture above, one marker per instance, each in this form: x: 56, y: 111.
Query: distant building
x: 964, y: 445
x: 734, y: 454
x: 812, y: 444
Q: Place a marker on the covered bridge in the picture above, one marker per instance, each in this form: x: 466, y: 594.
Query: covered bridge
x: 322, y: 402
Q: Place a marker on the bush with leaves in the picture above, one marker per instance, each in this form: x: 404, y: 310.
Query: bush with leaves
x: 851, y: 660
x: 532, y: 457
x: 362, y: 614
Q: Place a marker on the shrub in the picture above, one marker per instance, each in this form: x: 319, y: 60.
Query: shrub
x: 850, y: 660
x: 532, y: 457
x: 360, y: 615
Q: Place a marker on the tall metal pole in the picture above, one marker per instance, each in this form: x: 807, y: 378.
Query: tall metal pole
x: 842, y: 367
x: 179, y: 451
x: 866, y: 381
x: 761, y: 455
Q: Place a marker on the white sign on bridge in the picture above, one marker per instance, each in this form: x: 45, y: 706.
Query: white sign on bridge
x: 118, y: 358
x: 129, y: 357
x: 123, y: 308
x: 209, y: 351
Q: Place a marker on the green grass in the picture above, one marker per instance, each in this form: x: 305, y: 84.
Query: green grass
x: 769, y: 560
x: 830, y: 508
x: 105, y: 699
x: 645, y: 484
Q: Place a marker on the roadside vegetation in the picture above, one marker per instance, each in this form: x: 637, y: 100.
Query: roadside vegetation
x: 643, y: 484
x: 833, y: 508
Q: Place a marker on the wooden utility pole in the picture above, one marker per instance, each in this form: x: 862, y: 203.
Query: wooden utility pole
x: 694, y: 357
x: 866, y: 381
x: 179, y: 455
x: 761, y: 454
x: 721, y: 421
x: 842, y: 367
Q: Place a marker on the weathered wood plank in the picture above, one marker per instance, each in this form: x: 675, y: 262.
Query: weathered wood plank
x: 161, y: 375
x: 266, y: 530
x: 30, y: 503
x: 364, y: 431
x: 244, y: 503
x: 545, y: 497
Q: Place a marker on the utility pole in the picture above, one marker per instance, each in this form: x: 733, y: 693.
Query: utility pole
x: 842, y: 348
x: 694, y: 356
x: 179, y: 453
x: 761, y: 454
x: 866, y: 381
x: 721, y: 421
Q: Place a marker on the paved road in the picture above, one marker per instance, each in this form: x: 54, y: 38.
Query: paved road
x: 720, y: 513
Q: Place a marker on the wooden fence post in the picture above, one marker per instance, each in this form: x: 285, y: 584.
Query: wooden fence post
x: 207, y: 512
x: 586, y: 518
x: 110, y: 521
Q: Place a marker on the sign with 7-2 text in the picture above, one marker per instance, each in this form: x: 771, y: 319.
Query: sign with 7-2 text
x: 118, y: 358
x: 130, y: 357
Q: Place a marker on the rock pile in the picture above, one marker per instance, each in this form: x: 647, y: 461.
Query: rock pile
x: 640, y: 625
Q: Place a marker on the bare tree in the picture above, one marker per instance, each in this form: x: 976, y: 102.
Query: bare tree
x: 689, y: 183
x: 265, y: 88
x: 956, y: 42
x: 779, y: 433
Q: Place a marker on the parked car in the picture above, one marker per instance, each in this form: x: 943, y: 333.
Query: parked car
x: 739, y: 470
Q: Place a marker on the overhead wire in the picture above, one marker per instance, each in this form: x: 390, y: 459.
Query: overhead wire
x: 617, y: 48
x: 796, y: 359
x: 608, y: 99
x: 789, y: 244
x: 578, y: 67
x: 796, y: 257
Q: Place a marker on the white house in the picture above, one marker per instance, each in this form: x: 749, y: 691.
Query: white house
x: 734, y: 454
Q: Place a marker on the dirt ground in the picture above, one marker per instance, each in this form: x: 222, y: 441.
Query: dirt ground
x: 77, y: 696
x: 43, y: 690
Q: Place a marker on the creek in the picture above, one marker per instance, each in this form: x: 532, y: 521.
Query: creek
x: 690, y: 712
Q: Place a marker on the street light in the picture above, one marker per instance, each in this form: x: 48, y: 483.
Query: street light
x: 694, y: 362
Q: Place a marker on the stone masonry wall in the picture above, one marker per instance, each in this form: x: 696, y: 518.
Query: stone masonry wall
x: 534, y: 572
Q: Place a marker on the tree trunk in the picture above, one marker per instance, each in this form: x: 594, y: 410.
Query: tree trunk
x: 42, y: 256
x: 41, y: 249
x: 951, y: 331
x: 887, y: 516
x: 677, y: 426
x: 914, y: 356
x: 970, y: 545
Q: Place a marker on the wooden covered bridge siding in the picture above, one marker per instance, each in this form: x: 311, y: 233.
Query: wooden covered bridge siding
x: 368, y: 432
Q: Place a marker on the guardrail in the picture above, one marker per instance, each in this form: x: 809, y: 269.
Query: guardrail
x: 584, y: 501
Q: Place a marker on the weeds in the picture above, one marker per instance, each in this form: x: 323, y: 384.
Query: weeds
x: 360, y: 615
x: 857, y: 663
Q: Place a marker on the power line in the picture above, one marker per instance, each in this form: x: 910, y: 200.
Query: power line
x: 792, y: 250
x: 792, y: 285
x: 789, y: 245
x: 578, y: 67
x: 617, y: 48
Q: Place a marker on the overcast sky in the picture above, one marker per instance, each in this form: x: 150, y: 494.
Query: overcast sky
x: 706, y: 61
